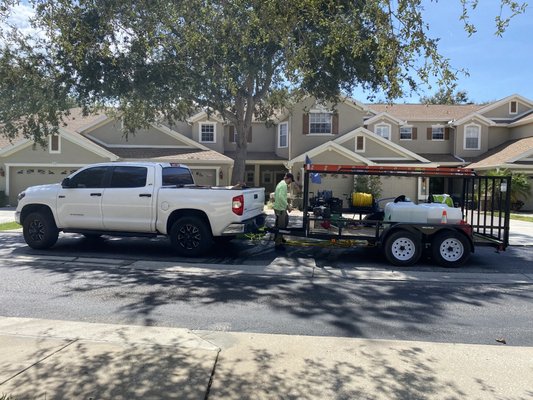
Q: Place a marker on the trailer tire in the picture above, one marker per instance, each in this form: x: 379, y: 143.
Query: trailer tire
x: 40, y: 230
x: 190, y: 236
x: 403, y: 248
x: 450, y: 249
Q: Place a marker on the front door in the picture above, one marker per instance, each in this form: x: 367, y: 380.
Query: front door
x: 80, y: 204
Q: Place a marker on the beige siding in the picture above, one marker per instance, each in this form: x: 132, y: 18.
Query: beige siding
x: 181, y: 127
x: 376, y: 149
x: 71, y: 153
x: 503, y: 111
x: 219, y: 135
x: 264, y: 138
x: 498, y: 136
x: 112, y: 134
x: 349, y: 119
x: 522, y: 131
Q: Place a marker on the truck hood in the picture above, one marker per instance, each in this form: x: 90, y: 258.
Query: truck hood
x: 36, y: 190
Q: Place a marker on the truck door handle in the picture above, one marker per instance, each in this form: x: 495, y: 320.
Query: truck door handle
x: 145, y: 195
x: 96, y: 194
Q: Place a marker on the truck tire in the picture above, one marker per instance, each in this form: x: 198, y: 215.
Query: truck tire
x: 403, y: 248
x: 450, y: 249
x: 190, y: 236
x: 40, y: 230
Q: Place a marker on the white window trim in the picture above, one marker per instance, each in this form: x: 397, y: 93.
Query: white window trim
x: 58, y: 144
x: 516, y: 103
x: 319, y: 111
x: 265, y: 174
x: 200, y: 125
x: 364, y: 144
x: 400, y: 132
x: 443, y: 133
x: 383, y: 124
x: 478, y: 138
x: 287, y: 135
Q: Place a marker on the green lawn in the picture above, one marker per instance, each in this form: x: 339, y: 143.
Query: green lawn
x: 7, y: 226
x: 521, y: 217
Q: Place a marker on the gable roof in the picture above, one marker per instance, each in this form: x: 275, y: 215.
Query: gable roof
x: 426, y: 112
x: 504, y: 101
x: 331, y: 146
x: 383, y: 142
x: 384, y: 115
x: 523, y: 120
x: 506, y: 155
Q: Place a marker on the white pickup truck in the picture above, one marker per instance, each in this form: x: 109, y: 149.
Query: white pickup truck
x: 138, y: 199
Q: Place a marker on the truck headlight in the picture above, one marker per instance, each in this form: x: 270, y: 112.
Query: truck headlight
x: 21, y: 196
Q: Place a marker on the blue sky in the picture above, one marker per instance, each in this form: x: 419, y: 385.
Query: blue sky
x: 498, y: 66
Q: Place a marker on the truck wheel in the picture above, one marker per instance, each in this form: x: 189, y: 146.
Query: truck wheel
x: 450, y: 249
x: 403, y: 248
x: 190, y: 236
x: 40, y: 230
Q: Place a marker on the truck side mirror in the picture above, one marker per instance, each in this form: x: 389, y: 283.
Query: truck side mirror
x: 66, y: 183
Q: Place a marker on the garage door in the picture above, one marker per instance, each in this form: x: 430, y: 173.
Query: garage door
x: 22, y: 177
x: 204, y: 177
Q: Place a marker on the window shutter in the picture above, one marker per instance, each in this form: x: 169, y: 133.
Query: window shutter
x: 305, y: 126
x: 414, y: 133
x: 446, y: 133
x: 429, y: 133
x: 232, y: 134
x: 360, y: 143
x: 249, y: 135
x: 335, y: 124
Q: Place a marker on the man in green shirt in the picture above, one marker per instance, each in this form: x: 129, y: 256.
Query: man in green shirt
x: 282, y: 208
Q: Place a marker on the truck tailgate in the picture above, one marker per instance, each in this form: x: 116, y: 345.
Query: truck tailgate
x: 254, y: 201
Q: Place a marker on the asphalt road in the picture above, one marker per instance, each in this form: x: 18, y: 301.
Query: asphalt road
x: 91, y: 281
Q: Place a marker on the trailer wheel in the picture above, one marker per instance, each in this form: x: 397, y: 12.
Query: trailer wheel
x: 403, y: 248
x: 190, y: 236
x: 40, y: 230
x: 450, y: 249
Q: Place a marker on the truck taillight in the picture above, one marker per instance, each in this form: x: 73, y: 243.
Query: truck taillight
x: 237, y: 204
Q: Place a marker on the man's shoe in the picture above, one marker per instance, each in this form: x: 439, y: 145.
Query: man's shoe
x: 279, y: 247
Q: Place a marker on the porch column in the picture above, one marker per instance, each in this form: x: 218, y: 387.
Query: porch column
x: 257, y: 176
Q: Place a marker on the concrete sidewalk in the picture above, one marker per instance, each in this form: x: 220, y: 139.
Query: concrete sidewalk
x: 64, y: 360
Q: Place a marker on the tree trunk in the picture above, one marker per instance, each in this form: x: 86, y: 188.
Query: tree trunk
x: 239, y: 164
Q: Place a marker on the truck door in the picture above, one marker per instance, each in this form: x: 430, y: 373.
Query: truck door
x: 79, y: 201
x: 128, y: 201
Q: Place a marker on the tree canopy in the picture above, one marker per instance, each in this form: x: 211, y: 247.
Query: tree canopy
x: 447, y: 96
x: 241, y: 59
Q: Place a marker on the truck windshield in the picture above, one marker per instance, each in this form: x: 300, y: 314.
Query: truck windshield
x: 177, y: 176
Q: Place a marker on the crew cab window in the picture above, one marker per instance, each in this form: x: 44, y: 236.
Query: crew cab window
x: 177, y: 176
x: 89, y: 178
x: 128, y: 177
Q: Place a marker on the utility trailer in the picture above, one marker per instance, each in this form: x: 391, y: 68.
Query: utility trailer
x: 481, y: 210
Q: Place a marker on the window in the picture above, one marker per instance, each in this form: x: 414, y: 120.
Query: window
x: 383, y: 130
x: 513, y: 107
x: 360, y: 143
x: 283, y: 131
x: 472, y: 137
x: 406, y: 133
x: 267, y: 177
x: 177, y: 176
x: 250, y: 177
x: 437, y: 133
x: 54, y: 144
x: 128, y: 177
x: 89, y: 178
x: 207, y: 133
x: 320, y: 123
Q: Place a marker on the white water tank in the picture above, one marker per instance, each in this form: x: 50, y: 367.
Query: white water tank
x: 430, y: 213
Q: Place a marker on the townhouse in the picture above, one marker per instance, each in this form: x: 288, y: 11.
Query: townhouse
x: 484, y: 137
